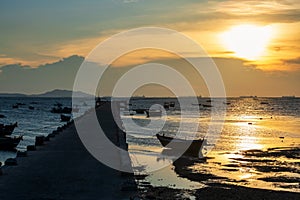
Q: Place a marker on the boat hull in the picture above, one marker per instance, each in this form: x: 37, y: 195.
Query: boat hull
x: 188, y: 147
x: 8, y: 143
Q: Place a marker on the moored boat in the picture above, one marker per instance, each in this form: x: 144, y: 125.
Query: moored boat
x: 207, y: 105
x: 7, y: 129
x: 188, y: 147
x: 172, y: 104
x: 9, y: 143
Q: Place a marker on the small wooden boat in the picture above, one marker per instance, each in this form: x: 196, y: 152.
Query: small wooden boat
x: 65, y: 118
x: 15, y: 106
x: 166, y: 105
x: 7, y: 129
x: 264, y: 103
x: 172, y: 104
x: 31, y: 107
x: 189, y: 147
x: 207, y: 105
x: 9, y: 143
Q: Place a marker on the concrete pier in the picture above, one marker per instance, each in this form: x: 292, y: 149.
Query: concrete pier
x: 63, y: 169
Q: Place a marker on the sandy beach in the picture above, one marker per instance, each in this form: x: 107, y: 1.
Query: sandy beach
x: 64, y: 169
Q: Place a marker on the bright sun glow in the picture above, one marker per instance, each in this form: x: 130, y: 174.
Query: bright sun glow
x: 247, y: 41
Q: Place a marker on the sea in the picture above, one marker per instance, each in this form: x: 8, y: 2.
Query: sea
x: 257, y: 143
x: 36, y: 122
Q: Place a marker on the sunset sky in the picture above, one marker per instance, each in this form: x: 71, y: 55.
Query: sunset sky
x: 258, y: 41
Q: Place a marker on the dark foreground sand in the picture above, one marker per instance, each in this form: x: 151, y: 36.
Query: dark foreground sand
x: 63, y: 169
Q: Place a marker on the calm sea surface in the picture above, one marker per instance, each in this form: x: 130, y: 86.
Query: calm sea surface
x: 257, y: 147
x: 32, y: 123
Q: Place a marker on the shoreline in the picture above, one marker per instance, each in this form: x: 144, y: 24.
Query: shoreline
x: 212, y: 191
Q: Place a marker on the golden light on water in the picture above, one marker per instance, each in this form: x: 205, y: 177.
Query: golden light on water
x: 247, y: 143
x: 247, y: 41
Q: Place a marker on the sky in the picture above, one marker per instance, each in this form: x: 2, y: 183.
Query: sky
x: 255, y: 44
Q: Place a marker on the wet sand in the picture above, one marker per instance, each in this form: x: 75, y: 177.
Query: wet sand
x: 64, y: 169
x: 213, y: 190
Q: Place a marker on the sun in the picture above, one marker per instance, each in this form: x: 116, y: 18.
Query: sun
x: 247, y: 41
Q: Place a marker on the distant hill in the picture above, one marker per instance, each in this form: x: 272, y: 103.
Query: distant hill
x: 62, y: 93
x: 51, y: 94
x: 12, y: 95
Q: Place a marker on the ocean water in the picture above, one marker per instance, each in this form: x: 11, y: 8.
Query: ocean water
x: 32, y: 123
x: 258, y: 146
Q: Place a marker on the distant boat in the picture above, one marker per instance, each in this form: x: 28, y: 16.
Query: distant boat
x: 9, y: 143
x: 190, y: 147
x: 7, y: 129
x: 31, y: 108
x: 248, y: 96
x: 207, y: 105
x: 264, y: 103
x: 15, y: 106
x: 172, y: 104
x: 65, y: 118
x: 166, y: 105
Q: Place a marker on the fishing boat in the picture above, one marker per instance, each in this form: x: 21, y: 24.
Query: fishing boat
x: 9, y: 143
x: 207, y: 105
x: 188, y: 147
x: 172, y: 104
x: 166, y: 105
x: 7, y: 129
